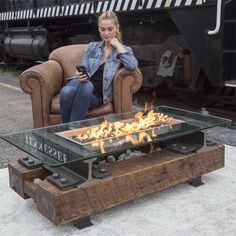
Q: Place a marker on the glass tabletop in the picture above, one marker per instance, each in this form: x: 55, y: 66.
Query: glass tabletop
x: 94, y: 138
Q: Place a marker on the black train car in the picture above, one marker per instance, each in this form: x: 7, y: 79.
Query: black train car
x: 188, y: 46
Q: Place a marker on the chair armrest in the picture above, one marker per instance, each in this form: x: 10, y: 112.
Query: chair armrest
x: 48, y: 75
x: 42, y: 82
x: 125, y: 84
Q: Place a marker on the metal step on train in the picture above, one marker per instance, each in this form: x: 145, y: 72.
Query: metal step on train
x: 229, y: 45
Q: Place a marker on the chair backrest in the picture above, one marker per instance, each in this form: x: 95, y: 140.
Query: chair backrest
x: 68, y: 57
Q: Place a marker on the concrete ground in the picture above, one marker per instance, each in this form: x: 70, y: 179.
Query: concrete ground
x: 15, y: 115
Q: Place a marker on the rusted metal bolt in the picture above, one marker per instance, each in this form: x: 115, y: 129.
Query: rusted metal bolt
x: 204, y: 112
x: 25, y: 158
x: 36, y: 180
x: 31, y: 162
x: 102, y: 170
x: 63, y: 180
x: 55, y: 175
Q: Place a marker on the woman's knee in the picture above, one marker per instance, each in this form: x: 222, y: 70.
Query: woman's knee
x: 86, y: 89
x: 74, y: 82
x: 67, y: 93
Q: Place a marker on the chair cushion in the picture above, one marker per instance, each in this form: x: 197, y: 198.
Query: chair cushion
x: 55, y: 105
x: 104, y: 109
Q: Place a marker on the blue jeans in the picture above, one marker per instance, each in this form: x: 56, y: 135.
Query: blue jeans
x: 76, y: 98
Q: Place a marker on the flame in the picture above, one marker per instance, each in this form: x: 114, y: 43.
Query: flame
x: 148, y: 105
x: 135, y: 130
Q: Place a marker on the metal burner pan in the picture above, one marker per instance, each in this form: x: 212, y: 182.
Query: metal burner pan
x: 113, y: 142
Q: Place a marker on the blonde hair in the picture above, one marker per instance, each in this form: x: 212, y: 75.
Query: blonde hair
x: 111, y: 15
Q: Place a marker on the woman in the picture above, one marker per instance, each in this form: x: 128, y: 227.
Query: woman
x: 101, y: 60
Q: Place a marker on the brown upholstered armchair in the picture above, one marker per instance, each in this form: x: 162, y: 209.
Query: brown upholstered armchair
x: 44, y: 81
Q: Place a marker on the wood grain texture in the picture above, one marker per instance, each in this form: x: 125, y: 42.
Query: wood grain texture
x: 19, y: 175
x: 130, y: 180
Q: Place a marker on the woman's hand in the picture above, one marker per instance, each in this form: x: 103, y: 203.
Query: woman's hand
x: 82, y: 77
x: 119, y: 46
x: 115, y: 43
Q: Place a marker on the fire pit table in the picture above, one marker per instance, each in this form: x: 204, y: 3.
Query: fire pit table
x: 68, y: 169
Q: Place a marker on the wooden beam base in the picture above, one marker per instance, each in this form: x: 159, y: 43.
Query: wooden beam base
x: 130, y: 180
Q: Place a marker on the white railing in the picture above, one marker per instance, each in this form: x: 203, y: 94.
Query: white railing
x: 218, y: 19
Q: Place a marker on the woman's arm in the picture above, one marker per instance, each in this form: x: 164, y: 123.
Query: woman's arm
x: 125, y: 54
x: 128, y: 59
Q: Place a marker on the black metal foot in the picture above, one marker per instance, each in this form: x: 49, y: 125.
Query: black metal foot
x: 196, y: 182
x: 83, y: 223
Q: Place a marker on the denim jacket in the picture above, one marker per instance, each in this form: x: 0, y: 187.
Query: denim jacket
x: 93, y: 56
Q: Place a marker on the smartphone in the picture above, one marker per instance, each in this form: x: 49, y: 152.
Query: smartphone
x: 83, y: 70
